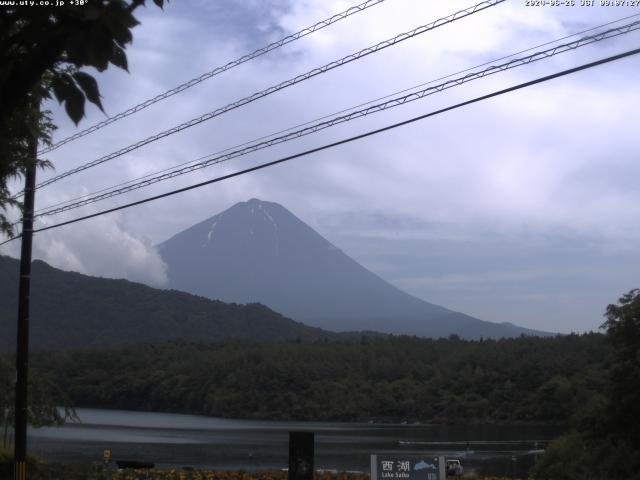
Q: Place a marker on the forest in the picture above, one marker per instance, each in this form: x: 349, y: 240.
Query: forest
x: 527, y: 379
x: 107, y: 312
x: 587, y: 383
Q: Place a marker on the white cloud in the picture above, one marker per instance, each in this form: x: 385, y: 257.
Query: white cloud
x: 103, y: 249
x: 559, y: 157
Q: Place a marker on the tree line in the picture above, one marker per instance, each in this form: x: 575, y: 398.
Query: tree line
x: 526, y: 379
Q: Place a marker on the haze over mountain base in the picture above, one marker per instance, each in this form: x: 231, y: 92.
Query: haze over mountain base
x: 258, y: 251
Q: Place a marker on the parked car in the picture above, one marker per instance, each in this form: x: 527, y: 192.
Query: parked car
x: 454, y: 468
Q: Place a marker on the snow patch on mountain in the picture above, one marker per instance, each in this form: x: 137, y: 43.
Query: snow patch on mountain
x: 213, y: 226
x: 270, y: 218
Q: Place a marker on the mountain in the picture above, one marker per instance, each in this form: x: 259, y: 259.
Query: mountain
x: 258, y: 251
x: 70, y: 310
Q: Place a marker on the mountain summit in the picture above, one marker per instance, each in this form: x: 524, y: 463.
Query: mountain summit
x: 258, y: 251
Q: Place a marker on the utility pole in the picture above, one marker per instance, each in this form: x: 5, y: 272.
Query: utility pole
x: 22, y: 346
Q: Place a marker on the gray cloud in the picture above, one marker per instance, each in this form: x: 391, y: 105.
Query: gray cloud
x: 530, y: 196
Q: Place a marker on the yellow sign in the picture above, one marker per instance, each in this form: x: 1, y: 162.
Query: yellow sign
x: 21, y: 471
x: 106, y: 454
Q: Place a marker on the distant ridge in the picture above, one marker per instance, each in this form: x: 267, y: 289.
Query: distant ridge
x: 258, y: 251
x: 71, y: 310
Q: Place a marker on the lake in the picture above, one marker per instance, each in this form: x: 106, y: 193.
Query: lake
x: 172, y: 440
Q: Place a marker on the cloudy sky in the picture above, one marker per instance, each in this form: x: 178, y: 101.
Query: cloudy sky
x: 522, y: 208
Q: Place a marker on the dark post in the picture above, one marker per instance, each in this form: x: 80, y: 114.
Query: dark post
x: 22, y: 347
x: 301, y: 456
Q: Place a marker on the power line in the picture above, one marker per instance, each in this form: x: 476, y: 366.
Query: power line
x: 135, y: 180
x: 347, y: 140
x: 216, y: 71
x: 275, y: 88
x: 614, y: 32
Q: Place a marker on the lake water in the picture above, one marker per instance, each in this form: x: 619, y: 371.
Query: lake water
x: 204, y: 442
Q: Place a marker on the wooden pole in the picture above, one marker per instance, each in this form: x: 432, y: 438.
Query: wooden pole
x: 22, y: 346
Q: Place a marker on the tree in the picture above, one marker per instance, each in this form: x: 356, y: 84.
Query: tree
x: 26, y: 122
x: 48, y: 404
x: 605, y: 441
x: 42, y: 53
x: 623, y: 332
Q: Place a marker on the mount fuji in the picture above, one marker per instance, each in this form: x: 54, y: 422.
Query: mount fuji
x: 258, y: 251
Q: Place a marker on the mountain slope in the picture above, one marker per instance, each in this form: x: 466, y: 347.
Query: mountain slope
x: 70, y: 310
x: 260, y: 252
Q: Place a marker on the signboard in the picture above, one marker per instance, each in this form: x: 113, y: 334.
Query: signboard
x: 407, y: 467
x: 301, y: 452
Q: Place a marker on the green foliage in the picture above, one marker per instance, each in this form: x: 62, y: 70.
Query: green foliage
x: 554, y: 463
x: 605, y: 439
x: 6, y: 455
x: 386, y: 379
x: 623, y: 332
x: 577, y: 456
x: 44, y: 48
x: 26, y: 123
x: 42, y: 51
x: 48, y: 404
x: 33, y: 462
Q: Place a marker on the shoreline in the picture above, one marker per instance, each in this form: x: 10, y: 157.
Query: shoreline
x: 384, y: 422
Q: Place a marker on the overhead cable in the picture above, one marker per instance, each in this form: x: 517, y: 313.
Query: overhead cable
x: 219, y: 158
x: 216, y: 71
x: 346, y: 140
x: 309, y: 122
x: 275, y: 88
